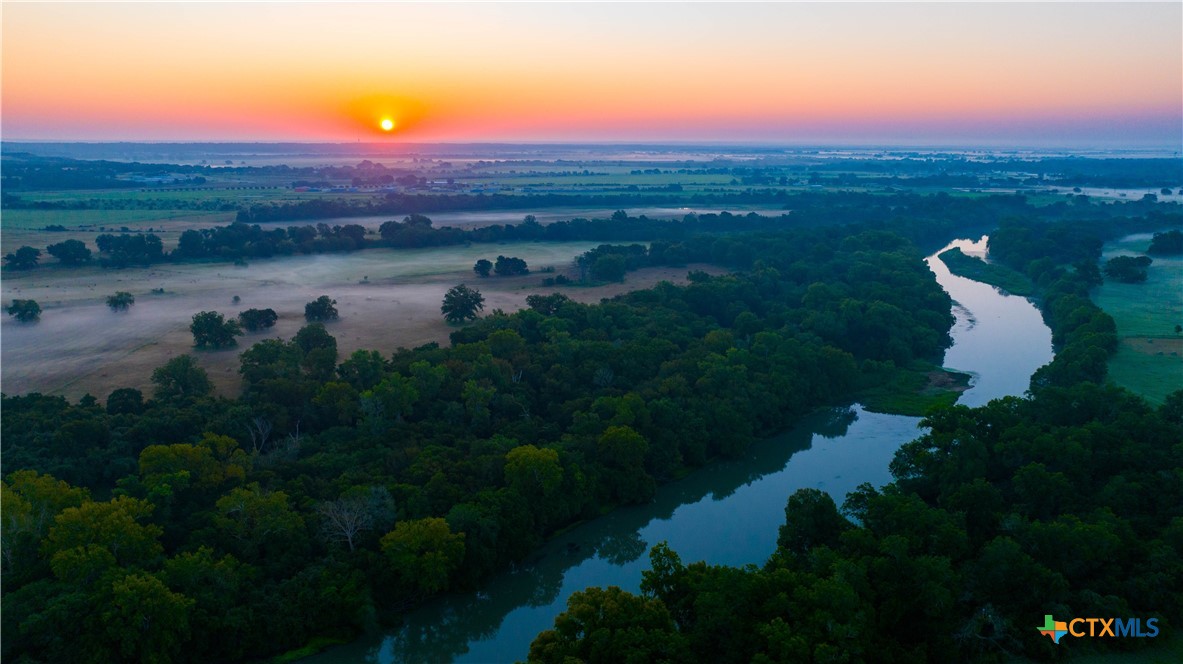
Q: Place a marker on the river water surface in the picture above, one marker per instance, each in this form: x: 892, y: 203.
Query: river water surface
x: 725, y: 514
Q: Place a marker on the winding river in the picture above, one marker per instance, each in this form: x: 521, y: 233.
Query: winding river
x: 726, y: 514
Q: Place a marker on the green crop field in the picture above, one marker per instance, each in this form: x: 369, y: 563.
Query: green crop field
x: 1149, y: 360
x: 70, y: 219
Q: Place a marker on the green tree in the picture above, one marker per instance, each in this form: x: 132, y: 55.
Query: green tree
x: 260, y: 527
x: 253, y: 320
x: 86, y: 541
x: 180, y: 377
x: 210, y: 329
x: 121, y: 301
x: 811, y: 520
x: 70, y: 252
x: 26, y: 311
x: 611, y: 625
x: 143, y: 620
x: 30, y: 501
x: 424, y: 553
x: 507, y: 266
x: 534, y: 472
x: 462, y: 303
x: 1128, y: 269
x: 363, y: 370
x: 610, y: 267
x: 622, y: 450
x: 321, y: 309
x: 24, y: 258
x: 319, y: 350
x: 482, y: 267
x: 391, y: 399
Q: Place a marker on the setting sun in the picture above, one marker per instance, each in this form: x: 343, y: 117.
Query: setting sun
x: 387, y: 124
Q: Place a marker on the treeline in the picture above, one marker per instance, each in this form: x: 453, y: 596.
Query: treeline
x: 186, y: 527
x: 926, y: 220
x: 27, y: 172
x: 1066, y: 502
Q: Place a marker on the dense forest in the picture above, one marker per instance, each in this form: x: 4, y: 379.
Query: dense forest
x: 1068, y: 501
x: 335, y: 492
x: 332, y: 492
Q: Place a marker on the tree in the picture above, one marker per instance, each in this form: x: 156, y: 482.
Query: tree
x: 363, y: 370
x: 482, y: 267
x: 87, y: 540
x: 70, y: 252
x: 611, y: 625
x: 253, y: 320
x: 509, y: 266
x: 546, y: 305
x: 424, y: 553
x: 1128, y: 269
x: 359, y: 511
x: 462, y: 303
x: 24, y: 258
x: 321, y: 309
x: 811, y: 520
x: 120, y: 301
x: 610, y: 267
x: 1166, y: 244
x: 125, y: 401
x: 260, y: 527
x: 26, y: 311
x: 142, y: 620
x: 180, y: 377
x: 534, y: 472
x: 319, y: 349
x: 211, y: 329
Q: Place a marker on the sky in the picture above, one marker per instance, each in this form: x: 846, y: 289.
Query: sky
x: 1063, y: 74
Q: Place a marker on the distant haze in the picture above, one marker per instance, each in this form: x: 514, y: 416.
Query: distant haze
x: 1096, y: 74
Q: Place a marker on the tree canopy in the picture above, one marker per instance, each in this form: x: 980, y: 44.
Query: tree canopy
x: 211, y: 330
x: 462, y: 303
x: 321, y: 309
x: 121, y: 301
x: 25, y: 311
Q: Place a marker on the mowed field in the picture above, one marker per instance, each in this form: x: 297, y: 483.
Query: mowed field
x: 1149, y: 357
x: 387, y: 299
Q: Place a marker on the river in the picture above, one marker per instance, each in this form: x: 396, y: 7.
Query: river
x: 727, y: 513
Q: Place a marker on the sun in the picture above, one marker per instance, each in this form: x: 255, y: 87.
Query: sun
x: 387, y: 124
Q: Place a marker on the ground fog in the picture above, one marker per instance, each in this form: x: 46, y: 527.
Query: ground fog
x: 386, y: 299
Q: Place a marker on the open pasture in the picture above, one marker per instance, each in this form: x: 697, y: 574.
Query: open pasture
x: 27, y: 227
x: 1149, y: 358
x: 387, y: 299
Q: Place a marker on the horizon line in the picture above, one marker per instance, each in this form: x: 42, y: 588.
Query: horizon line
x: 621, y: 143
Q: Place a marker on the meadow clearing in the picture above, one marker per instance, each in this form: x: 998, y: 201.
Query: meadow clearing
x: 386, y: 299
x: 1149, y: 357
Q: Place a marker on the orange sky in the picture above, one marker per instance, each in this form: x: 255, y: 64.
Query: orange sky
x: 787, y: 73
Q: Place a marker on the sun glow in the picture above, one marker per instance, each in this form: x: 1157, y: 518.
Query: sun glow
x: 387, y: 124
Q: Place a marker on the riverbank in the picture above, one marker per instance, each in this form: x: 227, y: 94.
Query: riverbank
x: 977, y: 269
x: 725, y: 514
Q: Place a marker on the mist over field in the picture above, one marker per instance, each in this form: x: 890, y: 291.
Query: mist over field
x: 81, y: 346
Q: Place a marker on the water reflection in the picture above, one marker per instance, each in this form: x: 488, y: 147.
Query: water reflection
x: 727, y: 514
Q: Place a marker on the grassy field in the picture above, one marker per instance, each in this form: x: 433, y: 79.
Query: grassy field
x: 1149, y: 359
x: 912, y: 391
x: 387, y: 299
x: 25, y: 227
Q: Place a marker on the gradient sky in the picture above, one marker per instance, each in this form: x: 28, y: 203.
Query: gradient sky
x: 894, y: 73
